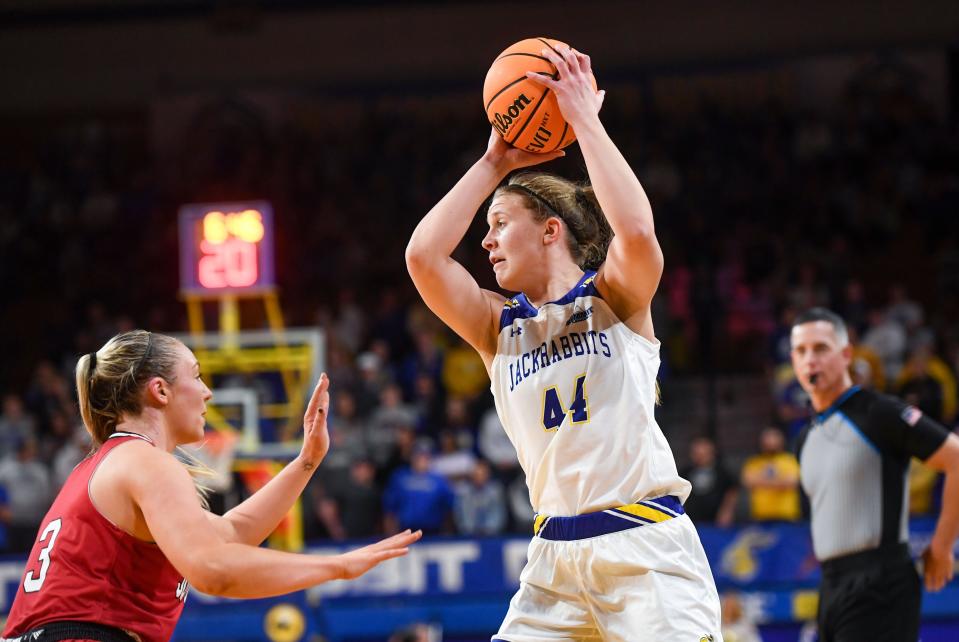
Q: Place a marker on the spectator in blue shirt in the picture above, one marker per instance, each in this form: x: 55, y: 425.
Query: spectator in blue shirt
x: 418, y: 498
x: 480, y: 503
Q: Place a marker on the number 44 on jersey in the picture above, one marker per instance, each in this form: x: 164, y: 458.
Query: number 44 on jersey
x: 554, y: 412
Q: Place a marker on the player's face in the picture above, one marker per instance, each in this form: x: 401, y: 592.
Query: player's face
x: 511, y: 240
x: 818, y: 359
x: 187, y: 409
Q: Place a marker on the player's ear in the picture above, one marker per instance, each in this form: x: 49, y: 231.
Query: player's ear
x: 552, y: 230
x: 158, y: 391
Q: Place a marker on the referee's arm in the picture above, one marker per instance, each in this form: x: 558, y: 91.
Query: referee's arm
x: 938, y: 558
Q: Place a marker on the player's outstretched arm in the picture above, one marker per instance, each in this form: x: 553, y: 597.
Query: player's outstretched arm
x: 163, y: 491
x: 252, y: 521
x: 939, y: 560
x: 634, y: 263
x: 445, y: 285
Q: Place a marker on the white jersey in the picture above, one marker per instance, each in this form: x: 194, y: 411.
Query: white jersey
x: 575, y: 390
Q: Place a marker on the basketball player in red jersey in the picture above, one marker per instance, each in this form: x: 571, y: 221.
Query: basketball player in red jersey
x: 128, y: 532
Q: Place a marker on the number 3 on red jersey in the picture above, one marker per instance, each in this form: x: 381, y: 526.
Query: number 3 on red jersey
x: 33, y: 584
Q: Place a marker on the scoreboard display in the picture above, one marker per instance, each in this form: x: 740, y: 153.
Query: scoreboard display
x: 226, y: 248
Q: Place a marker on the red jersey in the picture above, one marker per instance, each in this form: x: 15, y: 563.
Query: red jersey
x: 84, y: 568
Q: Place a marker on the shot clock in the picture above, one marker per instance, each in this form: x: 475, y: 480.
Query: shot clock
x: 226, y: 248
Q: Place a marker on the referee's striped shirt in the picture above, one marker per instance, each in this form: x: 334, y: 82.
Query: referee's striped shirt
x: 854, y: 465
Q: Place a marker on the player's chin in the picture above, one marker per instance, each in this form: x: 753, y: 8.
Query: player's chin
x: 503, y: 279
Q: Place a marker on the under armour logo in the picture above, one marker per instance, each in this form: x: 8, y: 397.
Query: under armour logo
x: 515, y: 332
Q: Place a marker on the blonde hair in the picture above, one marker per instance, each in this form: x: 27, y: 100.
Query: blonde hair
x: 110, y: 385
x: 576, y: 205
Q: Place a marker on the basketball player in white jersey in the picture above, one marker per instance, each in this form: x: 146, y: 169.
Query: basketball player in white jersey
x: 573, y: 363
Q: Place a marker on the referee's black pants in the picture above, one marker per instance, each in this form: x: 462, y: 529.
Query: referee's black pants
x: 870, y: 596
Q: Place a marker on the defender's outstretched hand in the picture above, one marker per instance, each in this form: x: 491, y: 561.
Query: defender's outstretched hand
x: 316, y: 436
x: 357, y: 562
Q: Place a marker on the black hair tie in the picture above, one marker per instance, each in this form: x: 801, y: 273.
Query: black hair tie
x: 146, y: 355
x: 552, y: 211
x: 93, y: 363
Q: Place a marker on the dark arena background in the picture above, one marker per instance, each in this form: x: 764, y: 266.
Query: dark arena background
x: 795, y: 154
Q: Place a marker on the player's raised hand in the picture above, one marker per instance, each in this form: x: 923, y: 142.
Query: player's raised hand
x: 359, y: 561
x: 509, y: 158
x: 316, y: 436
x: 574, y: 86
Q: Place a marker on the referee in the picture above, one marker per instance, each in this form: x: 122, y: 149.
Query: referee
x: 854, y: 458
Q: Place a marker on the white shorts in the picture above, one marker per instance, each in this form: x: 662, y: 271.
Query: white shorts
x: 651, y: 582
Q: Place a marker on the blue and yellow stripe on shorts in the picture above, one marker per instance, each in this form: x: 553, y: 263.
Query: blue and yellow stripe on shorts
x: 611, y: 520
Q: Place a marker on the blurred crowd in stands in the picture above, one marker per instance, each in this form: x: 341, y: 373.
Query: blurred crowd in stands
x: 762, y: 211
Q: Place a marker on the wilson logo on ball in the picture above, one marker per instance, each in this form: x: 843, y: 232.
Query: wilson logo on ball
x: 502, y: 122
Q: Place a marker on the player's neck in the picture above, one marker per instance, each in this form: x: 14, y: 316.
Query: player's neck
x: 558, y: 282
x: 822, y: 400
x: 147, y: 426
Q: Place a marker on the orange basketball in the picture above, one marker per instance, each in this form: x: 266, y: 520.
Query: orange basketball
x: 524, y: 113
